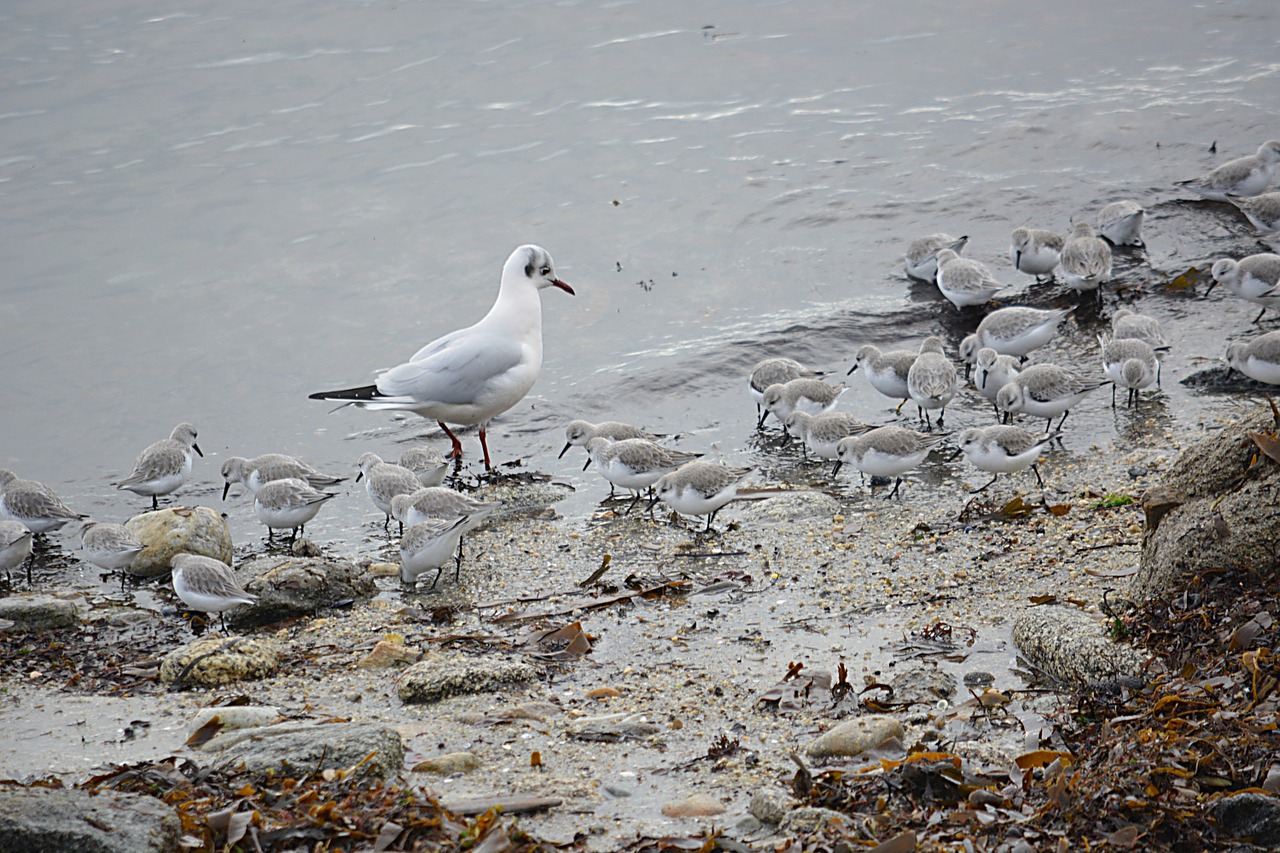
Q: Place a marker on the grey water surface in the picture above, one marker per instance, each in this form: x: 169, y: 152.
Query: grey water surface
x: 210, y: 210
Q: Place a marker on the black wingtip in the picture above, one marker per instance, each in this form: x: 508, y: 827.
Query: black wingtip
x: 364, y: 392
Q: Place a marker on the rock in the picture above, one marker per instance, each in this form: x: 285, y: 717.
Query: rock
x: 1208, y: 517
x: 217, y: 660
x: 229, y: 718
x: 165, y: 532
x: 453, y: 762
x: 33, y: 819
x: 856, y: 736
x: 791, y: 507
x: 769, y: 806
x: 433, y: 681
x: 521, y: 498
x: 925, y: 684
x: 1252, y: 816
x: 616, y: 791
x: 387, y: 654
x: 614, y: 730
x: 38, y: 613
x: 809, y: 819
x: 694, y: 805
x: 295, y: 586
x: 1072, y: 648
x: 294, y: 749
x: 978, y: 678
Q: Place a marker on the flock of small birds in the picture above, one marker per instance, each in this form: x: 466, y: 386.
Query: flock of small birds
x: 473, y: 374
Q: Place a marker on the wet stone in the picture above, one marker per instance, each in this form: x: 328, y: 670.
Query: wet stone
x: 1253, y: 816
x: 769, y: 806
x: 38, y: 613
x: 296, y: 749
x: 926, y: 684
x: 295, y: 586
x: 1072, y: 648
x: 809, y: 819
x: 34, y: 819
x: 856, y: 736
x: 232, y: 717
x: 432, y: 681
x: 694, y: 805
x: 978, y: 678
x: 217, y: 660
x: 176, y: 530
x: 448, y: 764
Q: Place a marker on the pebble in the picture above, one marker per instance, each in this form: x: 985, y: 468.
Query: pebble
x: 769, y: 806
x: 810, y: 819
x: 926, y: 684
x: 856, y: 736
x: 432, y: 681
x: 695, y: 805
x: 978, y: 678
x: 448, y: 764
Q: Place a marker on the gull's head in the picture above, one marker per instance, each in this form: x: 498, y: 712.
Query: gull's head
x: 1270, y: 150
x: 533, y: 264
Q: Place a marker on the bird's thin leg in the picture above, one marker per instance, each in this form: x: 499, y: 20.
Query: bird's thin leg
x: 484, y: 444
x: 1049, y: 426
x: 894, y: 493
x: 1035, y: 469
x: 898, y: 410
x: 984, y: 488
x: 456, y: 453
x: 439, y: 571
x: 155, y: 501
x: 1259, y: 317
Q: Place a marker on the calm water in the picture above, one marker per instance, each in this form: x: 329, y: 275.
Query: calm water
x: 210, y: 210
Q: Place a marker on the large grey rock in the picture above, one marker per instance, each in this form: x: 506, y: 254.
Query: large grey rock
x: 1204, y: 516
x: 176, y: 530
x: 924, y: 684
x: 856, y: 736
x: 216, y: 660
x: 1252, y: 816
x: 792, y: 507
x: 1069, y: 646
x: 75, y: 821
x: 433, y: 681
x: 769, y: 805
x: 294, y: 586
x: 293, y: 749
x: 38, y: 613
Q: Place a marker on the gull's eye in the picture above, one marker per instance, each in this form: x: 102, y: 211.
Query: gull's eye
x: 546, y: 271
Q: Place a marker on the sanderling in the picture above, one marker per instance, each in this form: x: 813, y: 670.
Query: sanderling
x: 578, y: 433
x: 804, y: 395
x: 288, y: 504
x: 932, y: 381
x: 1243, y: 176
x: 1016, y: 330
x: 1035, y: 251
x: 699, y: 488
x: 992, y: 371
x: 428, y: 463
x: 886, y: 371
x: 1045, y: 391
x: 771, y: 371
x: 1002, y: 450
x: 1129, y: 363
x: 252, y: 473
x: 383, y: 481
x: 887, y: 451
x: 1258, y: 359
x: 439, y: 502
x: 1262, y: 211
x: 1255, y: 278
x: 109, y: 546
x: 1128, y: 324
x: 474, y: 374
x: 15, y: 547
x: 634, y: 463
x: 32, y: 503
x: 1121, y: 223
x: 163, y: 467
x: 922, y: 254
x: 821, y: 433
x: 442, y: 503
x: 965, y: 282
x: 1085, y: 260
x: 207, y: 585
x: 430, y: 544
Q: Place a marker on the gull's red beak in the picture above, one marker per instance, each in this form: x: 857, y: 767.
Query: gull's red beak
x: 566, y: 288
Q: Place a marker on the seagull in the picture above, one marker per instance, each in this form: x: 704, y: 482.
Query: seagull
x: 474, y: 374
